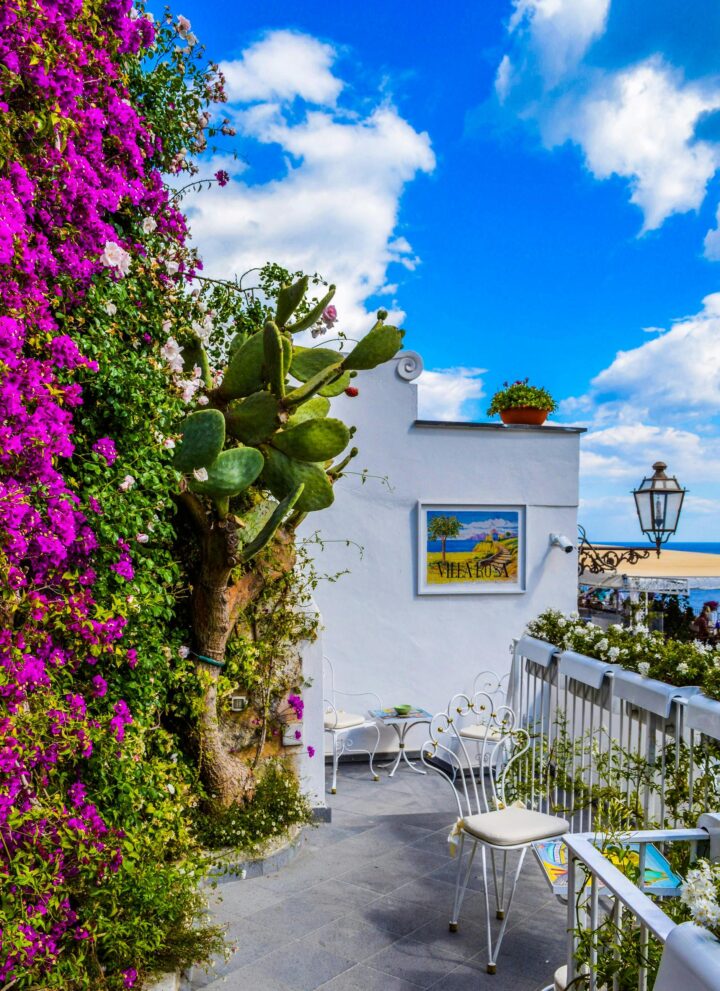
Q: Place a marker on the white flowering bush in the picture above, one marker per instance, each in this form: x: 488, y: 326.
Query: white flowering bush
x: 700, y: 893
x: 635, y: 648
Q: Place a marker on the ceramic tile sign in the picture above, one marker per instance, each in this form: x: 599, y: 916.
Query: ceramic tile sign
x: 470, y: 549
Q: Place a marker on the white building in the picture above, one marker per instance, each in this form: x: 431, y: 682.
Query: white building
x: 379, y: 630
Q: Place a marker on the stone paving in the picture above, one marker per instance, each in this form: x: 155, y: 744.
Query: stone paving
x: 365, y: 905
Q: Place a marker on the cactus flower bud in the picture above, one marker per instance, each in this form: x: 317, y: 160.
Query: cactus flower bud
x: 351, y: 391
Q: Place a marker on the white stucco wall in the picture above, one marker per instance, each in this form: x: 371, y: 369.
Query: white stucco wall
x: 379, y: 633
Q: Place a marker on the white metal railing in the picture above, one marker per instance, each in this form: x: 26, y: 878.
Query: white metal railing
x: 599, y: 891
x: 609, y: 720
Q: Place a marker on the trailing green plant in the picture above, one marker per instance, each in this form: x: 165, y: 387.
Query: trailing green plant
x: 278, y: 805
x: 521, y: 394
x: 677, y: 662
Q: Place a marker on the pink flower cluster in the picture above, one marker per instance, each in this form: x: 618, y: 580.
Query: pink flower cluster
x: 59, y: 192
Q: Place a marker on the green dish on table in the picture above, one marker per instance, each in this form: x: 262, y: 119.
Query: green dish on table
x: 403, y: 710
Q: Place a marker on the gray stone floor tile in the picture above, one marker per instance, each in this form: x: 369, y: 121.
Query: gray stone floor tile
x: 294, y: 969
x: 351, y: 938
x: 391, y: 914
x: 416, y: 961
x: 363, y: 978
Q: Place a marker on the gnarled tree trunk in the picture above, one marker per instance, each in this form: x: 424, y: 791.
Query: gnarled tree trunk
x: 218, y: 602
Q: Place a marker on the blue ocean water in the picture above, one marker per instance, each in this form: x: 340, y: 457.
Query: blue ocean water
x: 456, y: 546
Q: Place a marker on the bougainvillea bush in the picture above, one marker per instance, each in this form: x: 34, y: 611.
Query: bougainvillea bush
x: 97, y: 868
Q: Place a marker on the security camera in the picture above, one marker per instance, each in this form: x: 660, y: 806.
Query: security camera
x: 560, y: 540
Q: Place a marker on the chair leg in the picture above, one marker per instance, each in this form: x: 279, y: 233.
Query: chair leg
x: 499, y: 888
x: 461, y: 886
x: 333, y: 789
x: 493, y: 954
x: 375, y: 776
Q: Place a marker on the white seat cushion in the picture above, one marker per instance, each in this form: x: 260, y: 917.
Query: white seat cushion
x: 480, y: 731
x: 513, y: 826
x: 345, y: 720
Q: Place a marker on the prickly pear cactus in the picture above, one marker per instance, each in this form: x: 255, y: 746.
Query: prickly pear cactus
x: 267, y: 425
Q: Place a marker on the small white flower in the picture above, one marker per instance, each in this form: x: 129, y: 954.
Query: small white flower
x: 644, y: 668
x: 191, y: 39
x: 168, y: 443
x: 114, y: 256
x: 613, y: 653
x: 142, y: 538
x: 183, y: 25
x: 203, y: 400
x: 171, y: 789
x: 683, y: 667
x: 149, y: 224
x: 110, y: 309
x: 127, y: 483
x: 172, y: 353
x: 166, y: 326
x: 171, y: 267
x: 200, y: 474
x: 183, y: 651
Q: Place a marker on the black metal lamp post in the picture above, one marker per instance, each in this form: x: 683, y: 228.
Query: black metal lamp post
x: 658, y: 501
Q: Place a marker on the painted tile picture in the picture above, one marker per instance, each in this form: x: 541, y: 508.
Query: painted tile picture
x: 470, y: 549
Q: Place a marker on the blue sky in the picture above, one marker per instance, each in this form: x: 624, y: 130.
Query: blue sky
x: 532, y: 186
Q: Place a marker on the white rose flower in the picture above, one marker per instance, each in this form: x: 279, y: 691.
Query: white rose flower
x: 149, y: 224
x: 200, y: 474
x: 114, y: 256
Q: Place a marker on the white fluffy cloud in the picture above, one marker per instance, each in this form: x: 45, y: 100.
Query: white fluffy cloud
x: 281, y: 66
x: 637, y: 122
x: 655, y: 402
x: 450, y: 393
x: 334, y: 205
x: 560, y: 31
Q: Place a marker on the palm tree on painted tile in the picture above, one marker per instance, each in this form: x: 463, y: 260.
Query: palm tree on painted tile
x: 444, y: 528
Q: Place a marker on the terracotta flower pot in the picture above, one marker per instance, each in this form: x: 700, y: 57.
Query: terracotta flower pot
x: 527, y: 415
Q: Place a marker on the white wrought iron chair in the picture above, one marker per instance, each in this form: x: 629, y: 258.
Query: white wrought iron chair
x: 484, y: 817
x: 341, y: 724
x: 479, y: 727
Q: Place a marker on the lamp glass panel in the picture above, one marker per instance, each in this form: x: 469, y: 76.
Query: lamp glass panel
x: 643, y: 501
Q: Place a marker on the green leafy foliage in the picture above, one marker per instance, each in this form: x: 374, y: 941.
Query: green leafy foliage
x: 519, y: 394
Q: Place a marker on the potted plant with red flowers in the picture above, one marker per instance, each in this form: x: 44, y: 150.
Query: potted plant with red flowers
x: 519, y: 402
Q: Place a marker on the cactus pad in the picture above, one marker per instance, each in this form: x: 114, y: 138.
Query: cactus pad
x: 270, y: 528
x: 244, y: 370
x: 313, y: 440
x: 273, y: 365
x: 254, y: 419
x: 289, y: 298
x: 314, y: 408
x: 336, y: 387
x: 203, y: 438
x: 313, y: 385
x: 313, y: 315
x: 381, y: 344
x: 307, y: 362
x: 230, y: 474
x: 283, y: 475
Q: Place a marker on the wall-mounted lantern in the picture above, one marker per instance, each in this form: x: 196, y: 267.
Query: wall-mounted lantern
x: 658, y: 501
